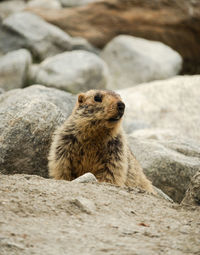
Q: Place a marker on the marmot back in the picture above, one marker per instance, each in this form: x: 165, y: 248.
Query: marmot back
x: 92, y: 140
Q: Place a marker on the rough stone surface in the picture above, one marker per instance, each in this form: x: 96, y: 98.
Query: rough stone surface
x: 175, y: 23
x: 26, y: 30
x: 40, y: 216
x: 133, y: 60
x: 28, y: 117
x: 46, y: 4
x: 85, y: 178
x: 9, y: 7
x: 192, y: 196
x: 73, y: 71
x: 169, y: 163
x: 171, y: 104
x: 14, y: 68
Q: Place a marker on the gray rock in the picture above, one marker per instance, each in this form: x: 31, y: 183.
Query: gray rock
x: 9, y: 7
x: 171, y: 104
x: 26, y: 30
x: 73, y: 71
x: 45, y: 4
x: 85, y: 178
x: 133, y: 60
x: 14, y: 69
x: 71, y: 3
x: 28, y: 117
x: 170, y: 163
x: 192, y: 196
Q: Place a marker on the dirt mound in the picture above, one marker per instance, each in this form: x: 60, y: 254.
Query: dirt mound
x: 42, y: 216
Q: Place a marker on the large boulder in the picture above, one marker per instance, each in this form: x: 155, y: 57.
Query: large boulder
x: 73, y: 71
x: 26, y: 30
x: 192, y: 196
x: 164, y: 119
x: 169, y: 161
x: 169, y: 104
x: 133, y: 60
x: 175, y: 23
x: 14, y: 69
x: 28, y: 118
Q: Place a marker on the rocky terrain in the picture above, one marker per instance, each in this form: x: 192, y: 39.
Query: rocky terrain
x: 50, y: 50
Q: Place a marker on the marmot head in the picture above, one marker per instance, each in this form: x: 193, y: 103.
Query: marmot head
x: 101, y: 108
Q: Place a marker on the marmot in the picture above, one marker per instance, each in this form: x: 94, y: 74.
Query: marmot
x: 92, y: 140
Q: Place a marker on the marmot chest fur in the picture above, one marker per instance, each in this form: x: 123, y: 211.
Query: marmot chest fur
x: 92, y: 140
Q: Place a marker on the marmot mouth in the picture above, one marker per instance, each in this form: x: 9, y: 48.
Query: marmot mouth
x: 114, y: 119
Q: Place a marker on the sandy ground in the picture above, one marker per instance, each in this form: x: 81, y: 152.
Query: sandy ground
x: 41, y: 216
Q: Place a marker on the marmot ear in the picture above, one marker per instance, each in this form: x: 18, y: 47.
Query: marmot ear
x: 81, y: 98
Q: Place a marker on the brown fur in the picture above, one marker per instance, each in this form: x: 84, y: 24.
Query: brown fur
x: 90, y: 141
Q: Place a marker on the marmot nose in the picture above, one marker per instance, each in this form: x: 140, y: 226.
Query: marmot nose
x: 120, y: 106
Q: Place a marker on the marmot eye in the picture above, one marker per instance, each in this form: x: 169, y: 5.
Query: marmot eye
x: 98, y: 98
